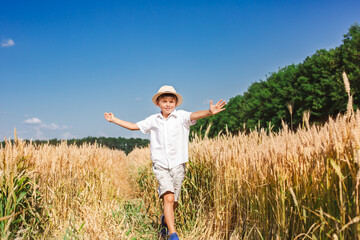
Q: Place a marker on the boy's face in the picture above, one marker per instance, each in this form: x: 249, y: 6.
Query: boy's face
x: 167, y: 105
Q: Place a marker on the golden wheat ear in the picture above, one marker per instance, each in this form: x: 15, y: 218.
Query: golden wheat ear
x: 346, y: 83
x: 349, y: 108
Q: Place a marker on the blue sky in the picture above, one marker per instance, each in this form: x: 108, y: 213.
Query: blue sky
x: 64, y: 63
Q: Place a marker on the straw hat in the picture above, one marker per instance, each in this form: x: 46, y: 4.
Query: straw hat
x: 168, y: 89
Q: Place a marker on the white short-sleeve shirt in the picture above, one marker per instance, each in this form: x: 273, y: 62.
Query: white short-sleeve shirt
x: 168, y: 137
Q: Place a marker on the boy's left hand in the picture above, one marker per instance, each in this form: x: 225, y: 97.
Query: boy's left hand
x: 218, y: 107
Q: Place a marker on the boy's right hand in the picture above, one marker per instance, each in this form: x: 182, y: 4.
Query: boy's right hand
x: 109, y: 117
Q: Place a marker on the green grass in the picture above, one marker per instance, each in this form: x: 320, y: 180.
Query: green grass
x: 20, y: 202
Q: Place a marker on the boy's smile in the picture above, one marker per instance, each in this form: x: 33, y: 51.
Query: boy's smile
x: 167, y: 105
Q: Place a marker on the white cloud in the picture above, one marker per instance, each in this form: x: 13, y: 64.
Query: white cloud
x: 7, y: 43
x: 39, y: 134
x: 33, y: 121
x: 51, y: 126
x: 138, y: 99
x: 40, y: 124
x: 67, y: 135
x: 42, y: 130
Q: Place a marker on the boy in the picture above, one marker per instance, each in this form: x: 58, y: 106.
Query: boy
x: 169, y: 134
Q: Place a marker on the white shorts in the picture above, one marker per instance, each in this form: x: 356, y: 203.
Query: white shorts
x: 170, y: 180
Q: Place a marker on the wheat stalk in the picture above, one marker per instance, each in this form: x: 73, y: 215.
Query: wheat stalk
x: 346, y: 83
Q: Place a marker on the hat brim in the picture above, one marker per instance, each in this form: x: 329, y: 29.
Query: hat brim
x: 179, y: 98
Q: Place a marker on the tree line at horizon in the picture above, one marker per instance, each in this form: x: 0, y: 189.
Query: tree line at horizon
x: 119, y: 143
x: 314, y: 86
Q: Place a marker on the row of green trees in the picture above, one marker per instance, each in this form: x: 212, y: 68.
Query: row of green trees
x: 315, y: 85
x: 124, y: 144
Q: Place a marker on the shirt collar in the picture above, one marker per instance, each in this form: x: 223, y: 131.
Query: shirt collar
x: 174, y: 114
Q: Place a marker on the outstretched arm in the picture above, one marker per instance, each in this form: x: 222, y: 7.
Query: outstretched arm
x: 213, y: 109
x: 129, y: 125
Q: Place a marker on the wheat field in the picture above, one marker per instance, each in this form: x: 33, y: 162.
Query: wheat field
x: 285, y: 185
x: 72, y: 192
x: 257, y: 185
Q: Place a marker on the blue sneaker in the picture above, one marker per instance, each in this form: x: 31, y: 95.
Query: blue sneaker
x: 164, y: 231
x: 173, y: 236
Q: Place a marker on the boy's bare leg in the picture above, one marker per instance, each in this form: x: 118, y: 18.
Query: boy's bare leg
x: 169, y: 205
